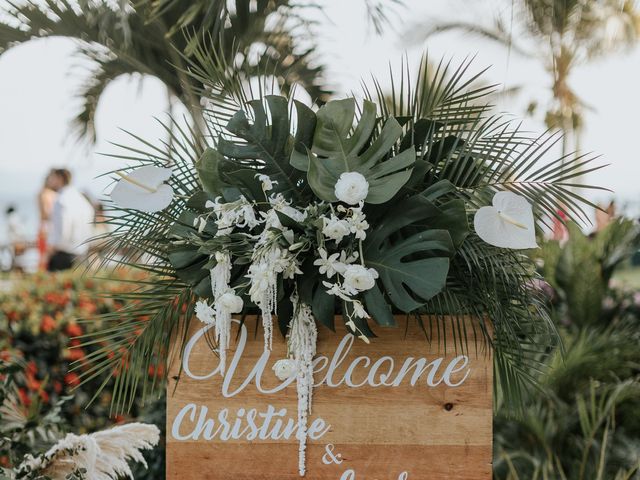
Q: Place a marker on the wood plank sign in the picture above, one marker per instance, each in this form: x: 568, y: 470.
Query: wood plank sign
x: 400, y: 408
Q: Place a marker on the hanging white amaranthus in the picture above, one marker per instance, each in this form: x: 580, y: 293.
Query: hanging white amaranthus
x: 226, y: 303
x: 303, y: 336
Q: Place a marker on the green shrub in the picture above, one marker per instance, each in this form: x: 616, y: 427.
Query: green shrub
x: 39, y: 329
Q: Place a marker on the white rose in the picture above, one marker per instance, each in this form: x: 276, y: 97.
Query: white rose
x: 351, y: 188
x: 230, y: 302
x: 285, y: 368
x: 358, y: 278
x: 335, y: 229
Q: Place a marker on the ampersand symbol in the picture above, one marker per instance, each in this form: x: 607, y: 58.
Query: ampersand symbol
x: 329, y: 457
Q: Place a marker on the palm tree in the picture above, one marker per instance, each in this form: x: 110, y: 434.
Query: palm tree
x: 561, y: 35
x: 159, y: 38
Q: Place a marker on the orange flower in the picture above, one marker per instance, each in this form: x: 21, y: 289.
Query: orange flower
x: 156, y: 370
x: 74, y: 330
x: 75, y: 354
x: 57, y: 386
x: 48, y: 324
x: 72, y: 379
x: 24, y: 397
x: 44, y: 395
x: 32, y: 368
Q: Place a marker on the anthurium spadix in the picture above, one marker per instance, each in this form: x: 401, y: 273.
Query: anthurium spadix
x: 508, y: 223
x: 143, y: 189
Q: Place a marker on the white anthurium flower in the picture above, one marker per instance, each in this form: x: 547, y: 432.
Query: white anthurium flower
x: 230, y: 302
x: 205, y: 313
x: 334, y: 228
x: 285, y: 368
x: 508, y: 223
x: 358, y: 278
x: 351, y: 188
x: 144, y: 189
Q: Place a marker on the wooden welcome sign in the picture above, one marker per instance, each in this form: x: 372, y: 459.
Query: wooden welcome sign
x: 401, y: 408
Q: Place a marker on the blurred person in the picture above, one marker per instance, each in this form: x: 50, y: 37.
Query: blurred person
x: 71, y: 223
x: 101, y: 229
x: 46, y: 200
x: 605, y: 215
x: 16, y: 237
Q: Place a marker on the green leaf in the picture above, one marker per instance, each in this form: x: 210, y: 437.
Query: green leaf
x: 414, y: 268
x: 378, y: 307
x: 207, y: 167
x: 410, y: 283
x: 304, y: 136
x: 337, y: 148
x: 264, y: 146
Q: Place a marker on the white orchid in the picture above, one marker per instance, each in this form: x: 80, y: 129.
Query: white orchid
x: 144, y: 189
x: 326, y: 263
x: 358, y: 309
x: 338, y: 290
x: 280, y: 204
x: 200, y: 223
x: 358, y: 224
x: 351, y: 188
x: 266, y: 182
x: 334, y: 228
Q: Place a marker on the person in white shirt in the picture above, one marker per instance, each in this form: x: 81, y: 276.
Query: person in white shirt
x: 71, y: 223
x: 16, y: 236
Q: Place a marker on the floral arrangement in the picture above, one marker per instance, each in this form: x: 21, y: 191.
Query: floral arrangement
x: 357, y: 208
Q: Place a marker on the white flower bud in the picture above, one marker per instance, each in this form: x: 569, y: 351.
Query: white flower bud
x: 230, y: 302
x: 285, y: 368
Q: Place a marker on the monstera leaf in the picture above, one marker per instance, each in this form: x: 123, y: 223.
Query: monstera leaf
x: 336, y: 148
x: 262, y: 146
x: 410, y: 248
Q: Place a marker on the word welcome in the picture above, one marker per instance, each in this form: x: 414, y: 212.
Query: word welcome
x: 360, y: 371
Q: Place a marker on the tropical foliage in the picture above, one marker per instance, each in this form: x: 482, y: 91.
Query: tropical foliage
x: 149, y: 37
x: 561, y: 35
x: 41, y: 397
x: 582, y: 422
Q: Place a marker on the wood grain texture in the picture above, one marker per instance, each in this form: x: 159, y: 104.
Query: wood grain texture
x: 430, y: 432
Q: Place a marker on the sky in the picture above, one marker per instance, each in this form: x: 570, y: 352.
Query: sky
x: 38, y: 82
